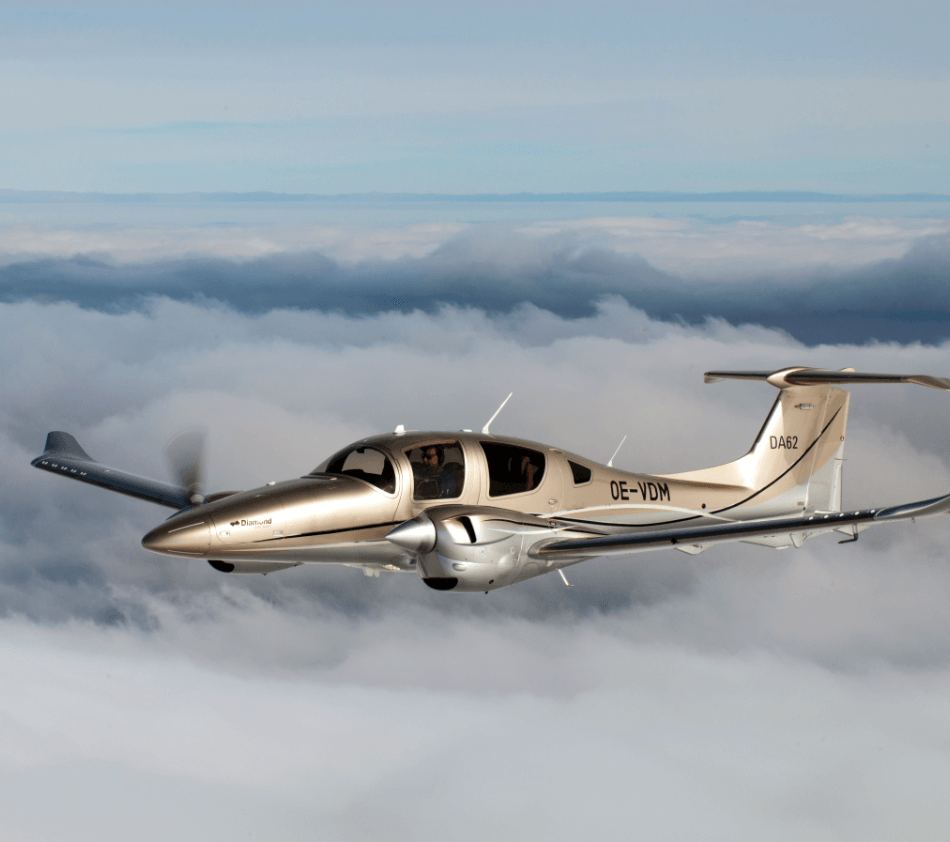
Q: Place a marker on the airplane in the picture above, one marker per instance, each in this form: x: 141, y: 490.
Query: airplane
x: 474, y: 512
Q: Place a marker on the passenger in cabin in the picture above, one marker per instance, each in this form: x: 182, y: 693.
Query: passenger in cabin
x: 528, y: 470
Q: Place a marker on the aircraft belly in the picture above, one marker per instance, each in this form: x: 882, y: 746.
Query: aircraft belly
x: 365, y: 552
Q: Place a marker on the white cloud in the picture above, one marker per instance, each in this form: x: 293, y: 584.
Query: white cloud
x: 743, y: 248
x: 679, y: 242
x: 130, y: 243
x: 777, y: 694
x: 460, y: 729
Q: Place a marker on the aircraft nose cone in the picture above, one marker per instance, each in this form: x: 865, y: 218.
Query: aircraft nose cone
x: 189, y: 537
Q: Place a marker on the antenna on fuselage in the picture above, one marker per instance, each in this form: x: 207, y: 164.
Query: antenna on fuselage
x: 610, y: 464
x: 500, y: 408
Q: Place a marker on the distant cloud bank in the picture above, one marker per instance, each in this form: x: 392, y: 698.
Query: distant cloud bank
x: 560, y: 269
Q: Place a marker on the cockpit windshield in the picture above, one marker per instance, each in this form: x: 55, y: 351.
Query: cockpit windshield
x: 365, y: 463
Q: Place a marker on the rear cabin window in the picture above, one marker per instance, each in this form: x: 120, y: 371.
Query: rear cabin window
x: 438, y: 470
x: 365, y: 463
x: 512, y: 469
x: 581, y: 474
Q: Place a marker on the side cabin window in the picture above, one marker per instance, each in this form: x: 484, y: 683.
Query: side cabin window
x: 438, y: 470
x: 512, y: 469
x: 365, y: 463
x: 580, y: 473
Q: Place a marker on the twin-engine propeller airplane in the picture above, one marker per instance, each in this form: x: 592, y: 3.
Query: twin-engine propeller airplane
x: 476, y: 512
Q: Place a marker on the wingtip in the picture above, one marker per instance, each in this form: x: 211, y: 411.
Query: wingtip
x: 59, y: 443
x: 933, y: 382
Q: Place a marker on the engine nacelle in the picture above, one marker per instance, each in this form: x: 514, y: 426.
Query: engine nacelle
x: 472, y: 548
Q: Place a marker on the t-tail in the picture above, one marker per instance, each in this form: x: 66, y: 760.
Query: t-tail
x: 795, y: 463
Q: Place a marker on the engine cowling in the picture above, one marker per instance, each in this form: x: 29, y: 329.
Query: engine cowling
x: 472, y: 548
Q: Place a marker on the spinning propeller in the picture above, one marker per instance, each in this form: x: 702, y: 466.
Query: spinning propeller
x: 185, y: 455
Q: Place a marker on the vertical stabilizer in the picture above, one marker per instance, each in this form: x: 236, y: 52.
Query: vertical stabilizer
x: 795, y: 461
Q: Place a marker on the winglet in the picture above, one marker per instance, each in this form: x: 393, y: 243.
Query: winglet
x: 59, y: 443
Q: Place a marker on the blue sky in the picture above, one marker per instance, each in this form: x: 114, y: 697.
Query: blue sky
x: 838, y: 97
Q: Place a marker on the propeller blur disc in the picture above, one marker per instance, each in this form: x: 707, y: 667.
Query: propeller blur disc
x: 185, y: 455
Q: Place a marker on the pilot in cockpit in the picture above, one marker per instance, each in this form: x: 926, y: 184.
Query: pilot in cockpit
x: 434, y: 480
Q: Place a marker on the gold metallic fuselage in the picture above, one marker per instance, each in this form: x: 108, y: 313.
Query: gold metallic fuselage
x: 330, y: 518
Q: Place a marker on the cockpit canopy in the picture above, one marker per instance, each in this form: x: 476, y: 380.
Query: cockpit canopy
x: 366, y: 463
x: 438, y: 467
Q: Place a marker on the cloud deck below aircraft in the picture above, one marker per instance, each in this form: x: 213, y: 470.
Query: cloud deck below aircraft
x: 781, y: 693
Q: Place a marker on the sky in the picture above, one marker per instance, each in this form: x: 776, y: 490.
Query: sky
x: 467, y: 98
x: 744, y: 693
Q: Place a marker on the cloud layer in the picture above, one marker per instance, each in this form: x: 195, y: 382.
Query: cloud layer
x: 776, y: 694
x: 550, y: 732
x: 282, y: 390
x: 827, y: 289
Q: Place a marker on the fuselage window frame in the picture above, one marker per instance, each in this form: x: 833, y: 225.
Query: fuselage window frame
x: 581, y: 474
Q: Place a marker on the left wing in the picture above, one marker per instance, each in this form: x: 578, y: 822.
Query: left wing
x: 64, y: 456
x: 701, y: 536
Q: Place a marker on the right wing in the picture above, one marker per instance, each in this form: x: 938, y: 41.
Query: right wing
x: 701, y: 536
x: 64, y: 456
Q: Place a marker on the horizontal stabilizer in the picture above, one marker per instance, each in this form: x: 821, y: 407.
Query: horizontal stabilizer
x: 65, y: 456
x: 799, y: 376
